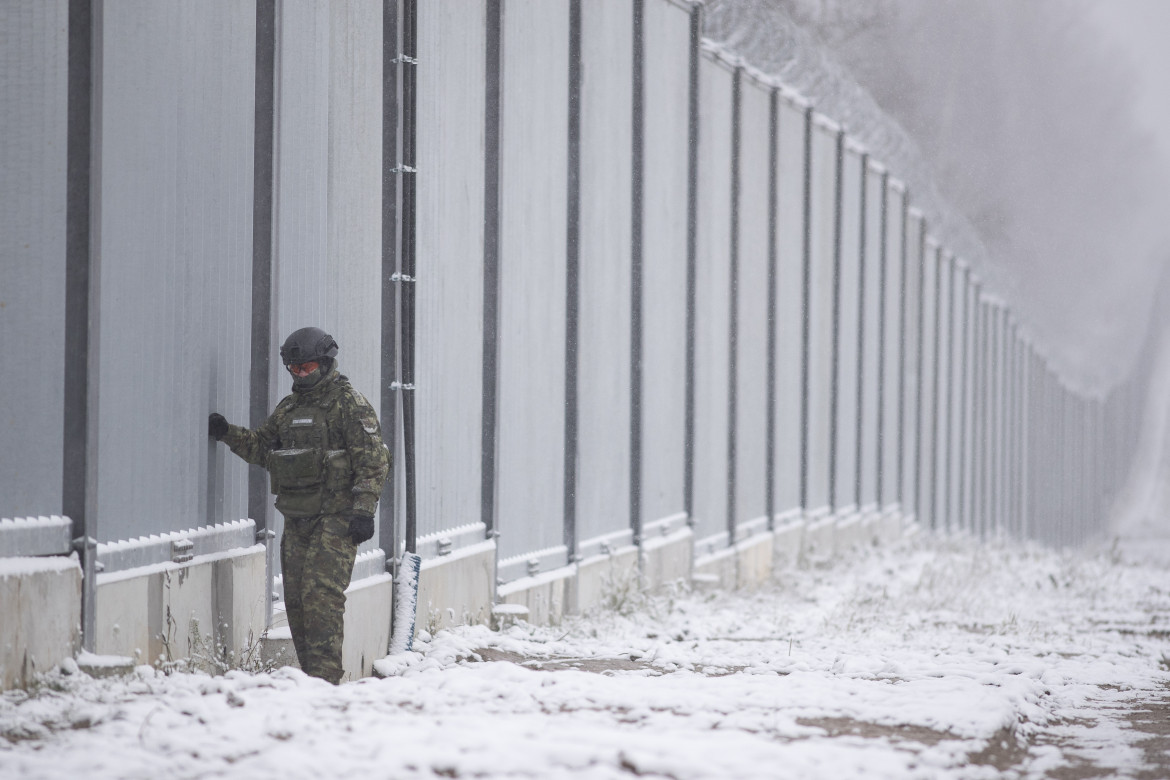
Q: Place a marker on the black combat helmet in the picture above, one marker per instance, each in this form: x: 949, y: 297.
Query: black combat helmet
x: 307, y: 344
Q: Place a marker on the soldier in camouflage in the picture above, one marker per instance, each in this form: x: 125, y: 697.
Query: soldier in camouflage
x: 323, y: 450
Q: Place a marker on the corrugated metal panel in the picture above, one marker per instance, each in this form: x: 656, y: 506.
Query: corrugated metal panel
x: 664, y: 260
x: 449, y: 342
x: 712, y: 300
x: 327, y: 247
x: 174, y: 286
x: 33, y: 70
x: 300, y: 192
x: 910, y: 364
x: 871, y: 342
x: 603, y: 451
x: 533, y: 171
x: 752, y: 400
x: 961, y: 399
x: 941, y: 482
x: 353, y: 313
x: 789, y: 306
x: 848, y: 291
x: 820, y: 319
x: 893, y: 386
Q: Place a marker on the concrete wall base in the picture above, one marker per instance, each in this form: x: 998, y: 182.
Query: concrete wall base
x: 545, y: 595
x: 210, y: 610
x: 605, y: 580
x: 457, y: 589
x: 754, y: 560
x: 667, y: 560
x: 787, y: 543
x: 40, y: 601
x: 719, y: 569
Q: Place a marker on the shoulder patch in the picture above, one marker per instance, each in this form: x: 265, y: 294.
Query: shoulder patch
x: 370, y: 423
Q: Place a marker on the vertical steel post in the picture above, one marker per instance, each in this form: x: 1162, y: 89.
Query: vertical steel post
x: 883, y: 235
x: 859, y: 437
x: 806, y: 302
x: 637, y: 185
x: 773, y: 292
x: 263, y: 145
x: 692, y: 254
x: 491, y: 267
x: 573, y: 290
x: 83, y: 176
x: 733, y: 304
x: 835, y: 367
x: 388, y: 531
x: 409, y: 84
x: 935, y: 389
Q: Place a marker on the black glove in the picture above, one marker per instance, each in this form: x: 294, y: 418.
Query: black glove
x: 361, y: 528
x: 217, y: 425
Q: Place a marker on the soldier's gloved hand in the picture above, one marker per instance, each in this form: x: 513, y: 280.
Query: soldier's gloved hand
x: 361, y: 528
x: 217, y: 425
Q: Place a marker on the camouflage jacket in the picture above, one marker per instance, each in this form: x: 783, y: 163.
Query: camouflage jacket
x: 322, y: 448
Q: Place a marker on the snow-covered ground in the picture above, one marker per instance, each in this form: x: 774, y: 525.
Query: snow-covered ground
x: 932, y: 658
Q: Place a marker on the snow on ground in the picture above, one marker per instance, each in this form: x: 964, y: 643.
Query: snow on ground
x: 932, y: 659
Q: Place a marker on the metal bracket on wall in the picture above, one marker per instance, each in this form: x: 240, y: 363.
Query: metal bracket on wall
x: 400, y: 386
x: 397, y: 277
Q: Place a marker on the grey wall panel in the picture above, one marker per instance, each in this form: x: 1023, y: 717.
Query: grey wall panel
x: 956, y: 401
x: 941, y: 477
x: 603, y: 454
x: 893, y: 331
x: 753, y: 318
x: 174, y: 286
x: 449, y: 295
x: 846, y: 328
x: 33, y: 70
x: 712, y: 299
x: 871, y: 315
x: 928, y: 388
x: 327, y: 203
x: 820, y: 317
x: 911, y: 360
x: 533, y: 171
x: 789, y: 306
x: 664, y: 260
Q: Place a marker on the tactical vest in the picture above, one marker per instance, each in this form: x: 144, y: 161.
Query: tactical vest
x: 305, y: 473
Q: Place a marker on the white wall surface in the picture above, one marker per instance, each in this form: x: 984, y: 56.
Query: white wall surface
x: 712, y: 300
x: 603, y: 336
x: 533, y: 176
x: 173, y: 247
x: 33, y: 71
x: 789, y: 305
x: 449, y: 293
x: 664, y: 259
x: 751, y: 412
x: 848, y: 311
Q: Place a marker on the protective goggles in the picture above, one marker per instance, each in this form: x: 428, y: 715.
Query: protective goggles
x: 303, y: 369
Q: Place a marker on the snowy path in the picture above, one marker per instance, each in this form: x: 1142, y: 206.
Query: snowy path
x: 935, y: 659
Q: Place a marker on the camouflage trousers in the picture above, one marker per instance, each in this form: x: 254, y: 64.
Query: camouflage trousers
x: 317, y: 555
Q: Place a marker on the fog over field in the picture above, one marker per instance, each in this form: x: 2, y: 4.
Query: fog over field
x: 1034, y: 135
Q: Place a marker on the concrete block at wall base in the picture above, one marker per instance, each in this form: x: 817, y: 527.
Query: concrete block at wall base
x: 787, y: 539
x: 369, y: 603
x: 605, y: 580
x: 40, y: 604
x: 207, y: 610
x: 718, y: 569
x: 818, y: 539
x: 668, y: 559
x: 754, y: 557
x: 849, y: 533
x: 239, y: 603
x: 457, y: 589
x: 122, y: 620
x: 546, y: 595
